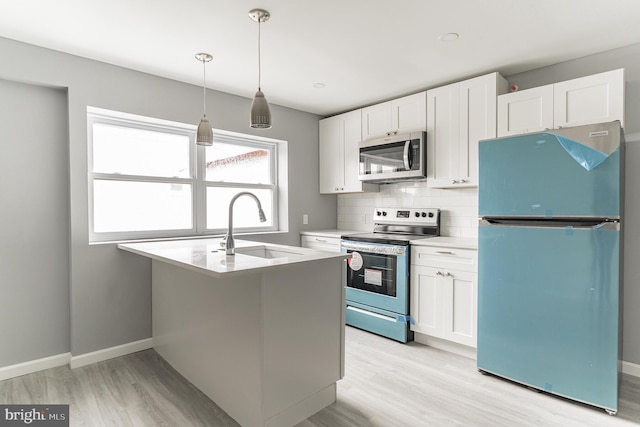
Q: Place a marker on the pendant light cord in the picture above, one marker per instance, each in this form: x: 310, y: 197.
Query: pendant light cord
x: 259, y: 60
x: 204, y: 87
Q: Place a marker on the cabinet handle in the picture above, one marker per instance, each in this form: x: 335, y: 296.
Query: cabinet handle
x: 395, y: 132
x: 388, y: 133
x: 448, y: 274
x: 462, y: 181
x: 321, y: 240
x: 439, y: 273
x: 444, y: 252
x: 454, y: 181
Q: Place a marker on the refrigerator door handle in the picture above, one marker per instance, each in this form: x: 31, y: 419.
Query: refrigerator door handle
x: 610, y: 225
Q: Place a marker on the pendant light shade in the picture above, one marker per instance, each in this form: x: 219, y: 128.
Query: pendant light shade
x: 260, y: 111
x: 204, y: 136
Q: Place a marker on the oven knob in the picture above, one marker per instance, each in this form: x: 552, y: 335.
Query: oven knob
x: 424, y: 214
x: 378, y: 213
x: 384, y: 213
x: 417, y: 214
x: 430, y: 214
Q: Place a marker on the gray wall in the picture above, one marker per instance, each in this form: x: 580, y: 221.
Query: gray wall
x: 629, y: 59
x: 109, y: 290
x: 34, y: 218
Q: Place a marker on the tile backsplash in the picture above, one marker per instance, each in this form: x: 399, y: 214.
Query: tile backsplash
x: 458, y: 207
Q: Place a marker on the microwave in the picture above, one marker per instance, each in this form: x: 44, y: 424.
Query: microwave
x: 393, y: 158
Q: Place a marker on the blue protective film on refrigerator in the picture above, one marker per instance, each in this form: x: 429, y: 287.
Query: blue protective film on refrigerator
x: 586, y: 157
x: 534, y: 175
x: 548, y: 307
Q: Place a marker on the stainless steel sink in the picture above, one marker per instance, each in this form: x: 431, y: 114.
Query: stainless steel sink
x: 267, y: 252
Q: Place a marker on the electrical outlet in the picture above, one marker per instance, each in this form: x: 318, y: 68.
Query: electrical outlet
x: 305, y: 219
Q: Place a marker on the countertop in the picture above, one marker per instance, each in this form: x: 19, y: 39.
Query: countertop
x: 442, y: 241
x: 208, y: 257
x: 448, y: 242
x: 334, y: 233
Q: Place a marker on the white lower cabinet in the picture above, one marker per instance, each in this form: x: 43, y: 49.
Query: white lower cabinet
x: 321, y: 243
x: 444, y: 293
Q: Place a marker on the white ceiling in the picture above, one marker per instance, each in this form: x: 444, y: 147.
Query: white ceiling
x: 364, y: 51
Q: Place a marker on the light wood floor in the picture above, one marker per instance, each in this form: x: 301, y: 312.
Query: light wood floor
x: 386, y: 384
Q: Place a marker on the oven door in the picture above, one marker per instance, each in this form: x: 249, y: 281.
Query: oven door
x: 378, y: 275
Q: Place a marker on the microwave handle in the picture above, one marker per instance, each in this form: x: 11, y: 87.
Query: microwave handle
x: 407, y: 155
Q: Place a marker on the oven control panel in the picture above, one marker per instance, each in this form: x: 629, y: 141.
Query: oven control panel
x: 426, y: 216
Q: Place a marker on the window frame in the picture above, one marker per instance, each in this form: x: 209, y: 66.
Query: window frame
x: 197, y: 176
x: 246, y: 141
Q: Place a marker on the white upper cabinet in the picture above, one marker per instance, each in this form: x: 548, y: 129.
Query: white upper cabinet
x: 338, y: 153
x: 459, y: 115
x: 525, y: 111
x: 593, y: 99
x: 406, y: 114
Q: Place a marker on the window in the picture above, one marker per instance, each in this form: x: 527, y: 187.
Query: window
x: 149, y: 179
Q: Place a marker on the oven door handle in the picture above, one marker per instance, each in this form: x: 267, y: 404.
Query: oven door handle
x: 373, y: 248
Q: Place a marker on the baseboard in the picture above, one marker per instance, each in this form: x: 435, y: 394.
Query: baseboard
x: 632, y: 137
x: 303, y: 410
x: 110, y: 353
x: 32, y: 366
x: 630, y: 369
x: 450, y: 346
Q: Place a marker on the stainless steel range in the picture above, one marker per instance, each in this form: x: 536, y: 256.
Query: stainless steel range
x: 378, y: 274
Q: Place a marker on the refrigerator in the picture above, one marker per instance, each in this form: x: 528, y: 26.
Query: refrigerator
x: 549, y: 261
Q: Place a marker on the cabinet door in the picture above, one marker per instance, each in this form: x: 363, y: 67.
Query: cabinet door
x: 443, y: 135
x: 593, y: 99
x: 328, y: 244
x: 409, y: 113
x: 425, y: 300
x: 478, y: 112
x: 376, y: 121
x: 459, y: 304
x: 351, y: 135
x: 331, y: 155
x: 443, y: 304
x: 525, y: 111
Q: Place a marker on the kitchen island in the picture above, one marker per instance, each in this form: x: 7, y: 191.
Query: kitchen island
x: 261, y: 333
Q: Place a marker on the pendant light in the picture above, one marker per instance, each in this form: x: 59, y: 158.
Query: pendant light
x: 204, y: 135
x: 260, y: 112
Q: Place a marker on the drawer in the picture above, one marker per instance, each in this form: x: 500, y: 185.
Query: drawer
x: 329, y: 244
x: 445, y: 258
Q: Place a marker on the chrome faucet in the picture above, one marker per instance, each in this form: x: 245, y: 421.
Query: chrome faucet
x: 228, y: 242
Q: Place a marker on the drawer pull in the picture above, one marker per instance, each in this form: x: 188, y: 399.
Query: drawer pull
x: 321, y: 240
x: 444, y: 252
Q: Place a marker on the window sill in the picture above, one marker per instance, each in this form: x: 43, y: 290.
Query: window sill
x: 192, y: 237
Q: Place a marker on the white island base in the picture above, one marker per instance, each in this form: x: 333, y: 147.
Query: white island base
x: 267, y: 345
